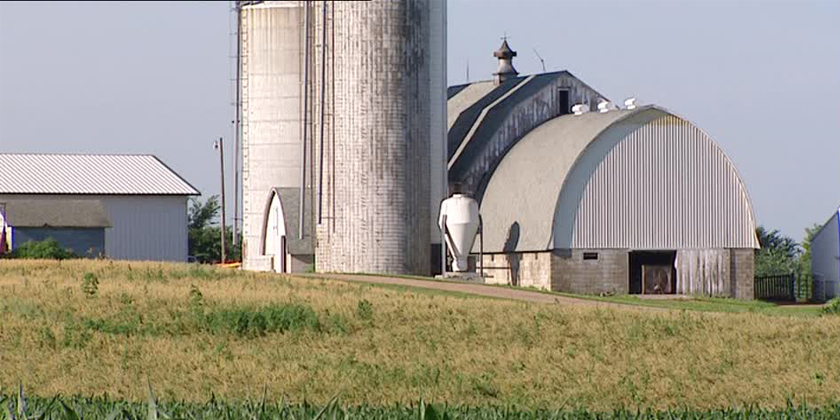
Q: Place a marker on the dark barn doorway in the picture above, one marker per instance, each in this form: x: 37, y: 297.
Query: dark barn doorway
x: 653, y: 272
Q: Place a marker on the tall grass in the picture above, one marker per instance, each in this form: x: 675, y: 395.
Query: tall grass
x: 195, y: 331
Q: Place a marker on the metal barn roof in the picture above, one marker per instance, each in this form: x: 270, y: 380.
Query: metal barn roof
x: 56, y: 213
x: 89, y: 174
x: 625, y: 179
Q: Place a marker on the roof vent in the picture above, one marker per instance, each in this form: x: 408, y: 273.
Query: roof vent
x: 604, y: 106
x: 580, y: 109
x: 505, y: 70
x: 630, y: 103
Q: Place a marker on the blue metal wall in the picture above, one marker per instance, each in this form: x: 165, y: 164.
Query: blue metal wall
x: 86, y: 242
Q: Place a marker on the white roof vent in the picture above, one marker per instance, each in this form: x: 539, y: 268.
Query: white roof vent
x: 604, y: 106
x: 580, y: 109
x: 630, y: 103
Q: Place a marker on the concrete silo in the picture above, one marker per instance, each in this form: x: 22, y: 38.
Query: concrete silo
x: 382, y: 164
x: 271, y: 43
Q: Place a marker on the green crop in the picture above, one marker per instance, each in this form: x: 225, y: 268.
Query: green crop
x: 20, y: 407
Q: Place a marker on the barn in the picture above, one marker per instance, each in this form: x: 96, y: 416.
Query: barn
x: 825, y: 259
x: 635, y: 200
x: 144, y: 202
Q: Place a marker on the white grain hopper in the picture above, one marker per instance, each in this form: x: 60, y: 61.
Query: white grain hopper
x: 459, y: 220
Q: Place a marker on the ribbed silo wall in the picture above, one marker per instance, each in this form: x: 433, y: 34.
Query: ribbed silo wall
x: 382, y: 134
x: 271, y: 40
x: 438, y: 112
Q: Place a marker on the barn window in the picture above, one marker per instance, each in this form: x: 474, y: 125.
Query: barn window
x: 590, y: 255
x: 563, y: 101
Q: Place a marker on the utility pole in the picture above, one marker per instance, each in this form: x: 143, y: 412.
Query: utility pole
x: 220, y: 145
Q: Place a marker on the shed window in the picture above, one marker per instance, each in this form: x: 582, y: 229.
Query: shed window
x: 590, y: 255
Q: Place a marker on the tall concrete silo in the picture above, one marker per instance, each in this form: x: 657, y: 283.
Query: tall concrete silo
x: 382, y: 164
x: 271, y: 44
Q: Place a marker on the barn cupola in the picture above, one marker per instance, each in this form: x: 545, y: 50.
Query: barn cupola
x: 505, y: 70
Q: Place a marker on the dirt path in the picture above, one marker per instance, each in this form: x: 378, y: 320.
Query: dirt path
x: 473, y: 289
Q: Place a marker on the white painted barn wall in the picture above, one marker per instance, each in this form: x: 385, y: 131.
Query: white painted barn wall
x: 825, y: 257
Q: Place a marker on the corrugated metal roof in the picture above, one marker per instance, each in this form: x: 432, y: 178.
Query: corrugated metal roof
x: 56, y: 213
x: 655, y: 181
x: 89, y: 174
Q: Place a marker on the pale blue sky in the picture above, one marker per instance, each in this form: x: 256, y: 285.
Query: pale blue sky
x: 761, y: 77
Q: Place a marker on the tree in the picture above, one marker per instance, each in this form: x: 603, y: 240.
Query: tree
x: 804, y: 265
x: 205, y: 233
x: 203, y: 215
x: 778, y: 254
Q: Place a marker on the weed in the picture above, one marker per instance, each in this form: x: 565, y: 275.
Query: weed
x: 257, y: 322
x: 832, y: 307
x: 90, y: 284
x: 48, y: 338
x: 364, y: 310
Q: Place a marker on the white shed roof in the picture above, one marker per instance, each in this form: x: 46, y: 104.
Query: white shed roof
x: 89, y: 174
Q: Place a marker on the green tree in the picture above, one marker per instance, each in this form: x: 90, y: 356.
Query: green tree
x: 205, y: 233
x: 778, y: 254
x: 804, y: 263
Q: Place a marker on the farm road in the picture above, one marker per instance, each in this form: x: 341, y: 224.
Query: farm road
x: 474, y: 289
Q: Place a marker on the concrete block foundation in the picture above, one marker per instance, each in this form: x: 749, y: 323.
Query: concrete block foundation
x: 596, y: 271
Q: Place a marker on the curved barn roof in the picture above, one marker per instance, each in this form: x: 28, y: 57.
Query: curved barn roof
x: 636, y: 179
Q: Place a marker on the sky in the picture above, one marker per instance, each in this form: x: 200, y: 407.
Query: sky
x: 762, y: 78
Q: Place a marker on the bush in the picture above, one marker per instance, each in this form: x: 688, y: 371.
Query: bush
x: 364, y: 310
x: 833, y: 307
x: 257, y: 322
x: 48, y: 249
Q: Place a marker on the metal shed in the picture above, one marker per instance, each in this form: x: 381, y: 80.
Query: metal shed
x: 825, y: 259
x: 144, y: 199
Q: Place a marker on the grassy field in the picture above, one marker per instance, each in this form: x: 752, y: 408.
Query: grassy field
x: 688, y: 303
x: 91, y: 327
x: 710, y: 304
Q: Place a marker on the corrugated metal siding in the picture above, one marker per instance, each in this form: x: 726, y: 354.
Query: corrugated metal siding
x: 825, y: 252
x: 147, y: 228
x: 665, y: 186
x: 89, y: 174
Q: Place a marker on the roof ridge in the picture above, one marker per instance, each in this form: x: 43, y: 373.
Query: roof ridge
x: 519, y: 75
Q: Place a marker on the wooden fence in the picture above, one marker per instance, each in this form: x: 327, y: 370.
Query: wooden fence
x: 779, y: 288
